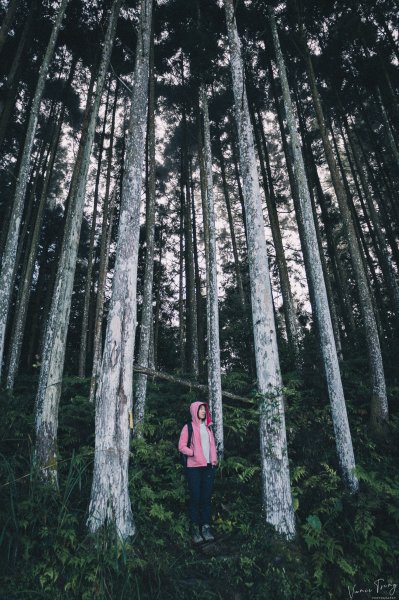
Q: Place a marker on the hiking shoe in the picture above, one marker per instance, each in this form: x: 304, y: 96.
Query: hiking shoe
x: 207, y: 533
x: 196, y: 535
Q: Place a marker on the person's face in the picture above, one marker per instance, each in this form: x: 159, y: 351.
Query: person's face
x: 202, y: 412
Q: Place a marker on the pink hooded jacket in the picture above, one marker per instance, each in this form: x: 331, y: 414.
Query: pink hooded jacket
x: 194, y: 453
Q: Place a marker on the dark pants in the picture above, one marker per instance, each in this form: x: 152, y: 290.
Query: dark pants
x: 200, y: 485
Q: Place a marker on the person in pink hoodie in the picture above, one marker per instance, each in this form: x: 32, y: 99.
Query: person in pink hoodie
x: 200, y: 470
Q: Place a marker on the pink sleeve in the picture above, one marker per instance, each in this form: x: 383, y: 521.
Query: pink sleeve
x: 183, y: 442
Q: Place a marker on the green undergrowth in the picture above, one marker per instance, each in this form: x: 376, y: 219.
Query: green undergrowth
x: 342, y: 541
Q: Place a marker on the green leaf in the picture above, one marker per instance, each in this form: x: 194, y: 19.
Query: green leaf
x: 314, y: 522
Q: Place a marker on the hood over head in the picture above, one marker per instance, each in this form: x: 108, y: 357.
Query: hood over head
x: 194, y: 413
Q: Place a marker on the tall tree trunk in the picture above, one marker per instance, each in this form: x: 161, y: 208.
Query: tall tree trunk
x: 146, y: 312
x: 311, y: 176
x: 276, y: 488
x: 314, y: 182
x: 57, y: 325
x: 8, y: 263
x: 110, y: 502
x: 191, y: 305
x: 268, y: 186
x: 238, y: 180
x: 11, y: 83
x: 106, y: 230
x: 367, y: 258
x: 197, y: 277
x: 90, y: 257
x: 7, y: 21
x: 340, y: 276
x: 386, y: 214
x: 317, y: 285
x: 158, y: 298
x: 388, y: 132
x: 379, y: 413
x: 379, y: 194
x: 182, y: 352
x: 26, y: 282
x: 237, y: 268
x: 380, y: 241
x: 212, y: 309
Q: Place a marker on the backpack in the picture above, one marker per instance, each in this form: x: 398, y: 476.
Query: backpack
x: 184, y: 457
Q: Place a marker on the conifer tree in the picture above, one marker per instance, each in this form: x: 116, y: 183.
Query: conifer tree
x: 110, y: 502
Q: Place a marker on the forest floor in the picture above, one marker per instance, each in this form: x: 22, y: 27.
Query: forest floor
x: 344, y: 544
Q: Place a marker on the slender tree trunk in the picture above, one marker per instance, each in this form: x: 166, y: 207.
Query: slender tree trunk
x: 379, y: 413
x: 317, y: 285
x: 57, y: 325
x: 380, y: 241
x: 268, y: 186
x: 212, y: 309
x: 276, y: 489
x: 158, y: 298
x: 11, y: 84
x: 106, y: 230
x: 384, y: 213
x: 238, y: 180
x: 311, y: 176
x: 387, y: 198
x: 106, y: 235
x: 197, y: 277
x: 26, y: 282
x: 367, y: 258
x: 191, y: 307
x: 340, y: 275
x: 231, y: 227
x: 146, y: 312
x: 393, y: 104
x: 181, y: 273
x: 388, y: 132
x: 90, y: 258
x: 110, y: 500
x: 8, y: 263
x: 7, y: 21
x: 37, y: 174
x: 314, y: 182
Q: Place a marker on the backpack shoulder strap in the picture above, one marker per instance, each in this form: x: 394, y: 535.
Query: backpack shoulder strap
x: 190, y: 432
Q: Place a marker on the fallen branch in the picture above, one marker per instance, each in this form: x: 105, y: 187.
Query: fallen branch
x: 187, y: 383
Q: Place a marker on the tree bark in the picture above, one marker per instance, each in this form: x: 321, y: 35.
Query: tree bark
x: 317, y: 285
x: 8, y: 263
x: 21, y: 308
x: 268, y: 186
x: 158, y: 296
x: 110, y: 502
x: 146, y: 311
x: 380, y: 241
x: 11, y: 83
x: 191, y: 307
x: 388, y: 132
x: 231, y: 227
x: 181, y: 271
x: 379, y: 413
x: 90, y: 257
x: 340, y: 275
x: 276, y: 488
x: 238, y: 180
x: 7, y: 21
x: 367, y: 258
x: 198, y: 284
x: 50, y: 379
x: 106, y: 231
x: 212, y: 309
